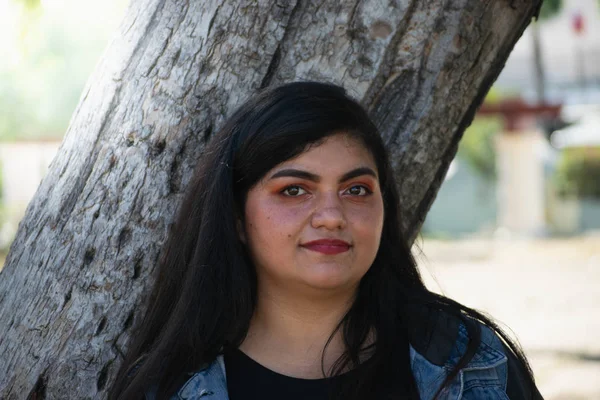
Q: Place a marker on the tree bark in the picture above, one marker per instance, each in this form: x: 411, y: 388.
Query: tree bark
x: 85, y: 253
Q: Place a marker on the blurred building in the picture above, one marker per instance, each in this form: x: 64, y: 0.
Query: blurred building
x: 571, y: 60
x: 23, y: 165
x: 523, y: 198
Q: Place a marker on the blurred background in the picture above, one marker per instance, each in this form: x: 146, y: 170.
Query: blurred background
x: 515, y: 228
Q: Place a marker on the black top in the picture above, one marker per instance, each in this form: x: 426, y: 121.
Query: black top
x: 249, y: 380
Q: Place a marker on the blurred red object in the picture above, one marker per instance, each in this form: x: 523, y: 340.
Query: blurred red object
x: 578, y: 23
x: 518, y: 115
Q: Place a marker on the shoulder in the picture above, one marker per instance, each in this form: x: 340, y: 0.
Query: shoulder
x: 438, y: 342
x: 208, y: 380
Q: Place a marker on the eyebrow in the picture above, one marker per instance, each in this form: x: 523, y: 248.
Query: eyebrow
x: 297, y: 173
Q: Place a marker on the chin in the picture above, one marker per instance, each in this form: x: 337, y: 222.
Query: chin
x: 330, y: 279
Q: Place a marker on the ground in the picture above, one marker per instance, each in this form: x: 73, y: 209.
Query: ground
x: 546, y: 290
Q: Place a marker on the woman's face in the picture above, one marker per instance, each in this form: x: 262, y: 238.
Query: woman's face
x: 315, y: 221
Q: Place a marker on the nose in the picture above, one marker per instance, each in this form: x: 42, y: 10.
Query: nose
x: 329, y: 213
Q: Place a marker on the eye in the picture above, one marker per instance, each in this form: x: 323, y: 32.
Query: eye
x: 293, y: 191
x: 359, y: 190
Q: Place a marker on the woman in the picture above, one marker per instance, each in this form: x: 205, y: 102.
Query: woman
x: 287, y: 275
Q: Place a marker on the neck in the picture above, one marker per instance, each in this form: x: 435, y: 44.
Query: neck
x: 288, y: 333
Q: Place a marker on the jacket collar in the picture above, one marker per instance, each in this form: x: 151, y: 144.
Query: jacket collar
x: 442, y: 339
x: 206, y: 384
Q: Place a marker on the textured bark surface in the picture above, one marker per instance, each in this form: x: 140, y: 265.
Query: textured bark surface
x: 85, y: 253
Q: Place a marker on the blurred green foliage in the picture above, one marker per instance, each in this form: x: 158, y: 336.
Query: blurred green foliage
x: 32, y: 4
x: 48, y: 50
x: 476, y: 147
x: 550, y: 8
x: 577, y: 172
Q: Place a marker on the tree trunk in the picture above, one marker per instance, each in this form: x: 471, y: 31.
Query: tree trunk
x: 85, y: 253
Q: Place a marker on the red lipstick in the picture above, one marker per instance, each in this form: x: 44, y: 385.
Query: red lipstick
x: 327, y: 246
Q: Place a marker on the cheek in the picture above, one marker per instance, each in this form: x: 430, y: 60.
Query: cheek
x: 270, y: 229
x: 367, y: 220
x: 367, y: 227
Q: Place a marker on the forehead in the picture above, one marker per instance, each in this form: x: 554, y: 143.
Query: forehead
x: 339, y: 151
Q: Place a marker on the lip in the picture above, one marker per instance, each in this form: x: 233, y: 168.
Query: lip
x: 327, y: 246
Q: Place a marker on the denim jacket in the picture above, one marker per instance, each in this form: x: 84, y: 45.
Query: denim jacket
x: 432, y: 357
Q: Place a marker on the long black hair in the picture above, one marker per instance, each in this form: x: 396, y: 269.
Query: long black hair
x: 205, y: 293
